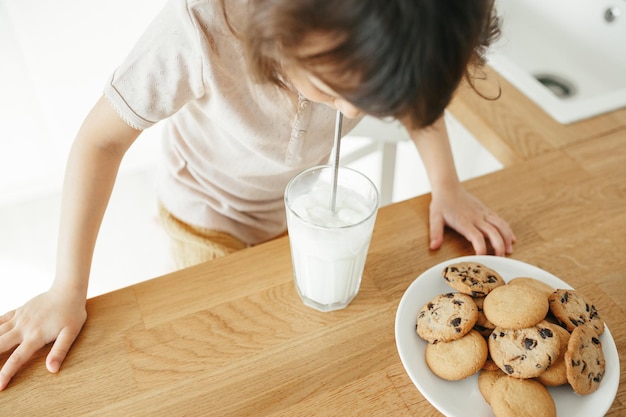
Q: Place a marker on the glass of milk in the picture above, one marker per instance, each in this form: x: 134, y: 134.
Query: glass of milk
x: 328, y: 248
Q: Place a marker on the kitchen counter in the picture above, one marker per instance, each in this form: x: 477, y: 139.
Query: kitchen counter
x: 515, y: 129
x: 232, y: 338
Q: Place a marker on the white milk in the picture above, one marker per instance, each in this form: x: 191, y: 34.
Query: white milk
x: 329, y: 249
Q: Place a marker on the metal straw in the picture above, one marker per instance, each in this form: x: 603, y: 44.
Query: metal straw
x: 333, y: 193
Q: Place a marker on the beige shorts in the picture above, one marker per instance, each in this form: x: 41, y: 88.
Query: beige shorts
x: 191, y: 245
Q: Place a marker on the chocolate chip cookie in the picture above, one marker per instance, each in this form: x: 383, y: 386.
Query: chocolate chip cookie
x: 515, y: 306
x: 446, y: 317
x: 483, y: 325
x: 533, y: 282
x: 472, y: 278
x: 457, y: 359
x: 584, y: 360
x: 556, y: 374
x: 524, y: 353
x: 572, y: 309
x: 486, y: 379
x: 512, y: 397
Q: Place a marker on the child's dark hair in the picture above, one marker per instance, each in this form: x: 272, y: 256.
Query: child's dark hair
x: 406, y: 58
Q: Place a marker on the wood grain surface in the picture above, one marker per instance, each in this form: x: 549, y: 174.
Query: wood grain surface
x: 231, y: 337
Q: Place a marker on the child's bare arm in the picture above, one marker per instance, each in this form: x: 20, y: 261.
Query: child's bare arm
x: 59, y: 314
x: 451, y: 204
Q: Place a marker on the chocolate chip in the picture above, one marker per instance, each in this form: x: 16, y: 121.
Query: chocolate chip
x: 595, y: 341
x: 575, y: 322
x: 508, y: 369
x: 456, y: 322
x: 545, y: 333
x: 529, y: 343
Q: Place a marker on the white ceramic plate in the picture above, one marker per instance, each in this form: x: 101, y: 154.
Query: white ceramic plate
x: 457, y: 398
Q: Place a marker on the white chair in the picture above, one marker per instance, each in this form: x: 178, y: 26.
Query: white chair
x: 382, y: 137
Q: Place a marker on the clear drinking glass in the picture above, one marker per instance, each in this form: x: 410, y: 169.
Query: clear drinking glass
x: 329, y: 248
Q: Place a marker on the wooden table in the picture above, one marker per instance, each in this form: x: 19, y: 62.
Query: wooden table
x: 232, y: 338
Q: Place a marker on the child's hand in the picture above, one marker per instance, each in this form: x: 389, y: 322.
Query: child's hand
x: 471, y: 218
x: 48, y: 317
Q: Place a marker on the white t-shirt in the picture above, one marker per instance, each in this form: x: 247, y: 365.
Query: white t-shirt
x: 230, y: 145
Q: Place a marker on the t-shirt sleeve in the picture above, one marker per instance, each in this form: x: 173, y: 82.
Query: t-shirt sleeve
x: 163, y: 71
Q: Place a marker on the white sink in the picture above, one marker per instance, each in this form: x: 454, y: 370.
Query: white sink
x: 576, y: 47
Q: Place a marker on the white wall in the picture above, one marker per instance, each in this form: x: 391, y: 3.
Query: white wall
x: 55, y: 58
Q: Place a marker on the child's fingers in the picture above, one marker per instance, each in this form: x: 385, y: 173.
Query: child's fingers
x: 495, y: 238
x: 18, y: 358
x: 6, y: 317
x: 60, y: 348
x: 436, y: 225
x: 5, y: 328
x: 504, y: 229
x: 477, y: 239
x: 8, y: 341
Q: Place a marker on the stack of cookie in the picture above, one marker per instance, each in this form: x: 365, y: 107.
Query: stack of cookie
x: 521, y: 336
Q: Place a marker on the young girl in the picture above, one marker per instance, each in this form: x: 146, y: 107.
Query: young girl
x: 249, y: 89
